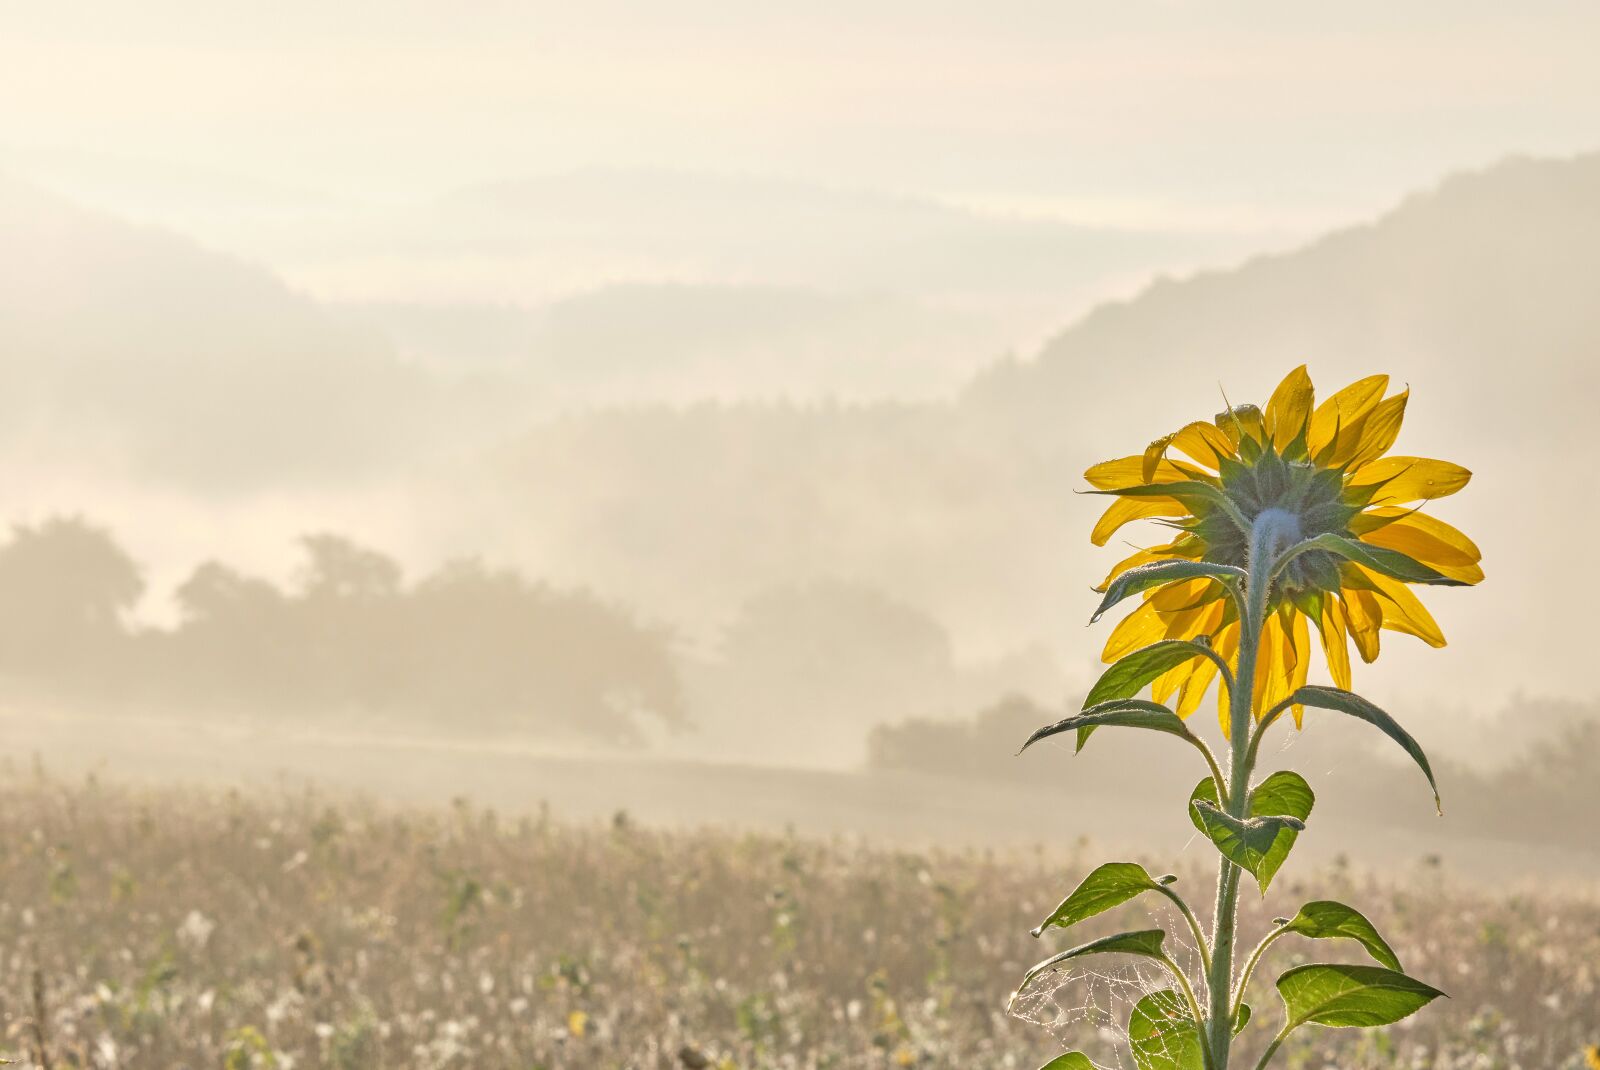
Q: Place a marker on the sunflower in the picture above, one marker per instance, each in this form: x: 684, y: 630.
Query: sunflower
x: 1325, y: 469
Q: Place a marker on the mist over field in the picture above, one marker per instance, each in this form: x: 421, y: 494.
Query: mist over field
x: 734, y: 449
x: 535, y: 535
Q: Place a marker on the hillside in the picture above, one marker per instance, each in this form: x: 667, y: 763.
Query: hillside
x: 131, y: 347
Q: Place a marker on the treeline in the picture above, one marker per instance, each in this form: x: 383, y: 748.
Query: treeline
x: 464, y: 647
x: 1541, y: 789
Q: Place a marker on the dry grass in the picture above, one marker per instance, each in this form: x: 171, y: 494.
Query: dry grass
x: 173, y: 929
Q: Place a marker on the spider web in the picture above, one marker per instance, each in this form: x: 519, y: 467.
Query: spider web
x: 1085, y: 1006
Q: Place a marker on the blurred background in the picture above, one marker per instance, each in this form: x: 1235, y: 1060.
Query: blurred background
x: 675, y: 414
x: 712, y: 385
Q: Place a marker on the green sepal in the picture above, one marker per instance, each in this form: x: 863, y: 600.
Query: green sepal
x: 1157, y: 573
x: 1282, y: 794
x: 1163, y: 1035
x: 1378, y: 558
x: 1243, y: 841
x: 1342, y: 701
x: 1109, y: 885
x: 1325, y: 919
x: 1360, y: 996
x: 1190, y: 492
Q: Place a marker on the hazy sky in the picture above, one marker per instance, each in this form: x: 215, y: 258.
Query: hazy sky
x: 1222, y: 115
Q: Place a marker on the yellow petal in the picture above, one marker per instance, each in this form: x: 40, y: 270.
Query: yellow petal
x: 1127, y: 472
x: 1365, y: 617
x: 1205, y: 444
x: 1138, y: 629
x: 1241, y: 421
x: 1193, y: 692
x: 1379, y: 430
x: 1226, y: 642
x: 1186, y: 595
x: 1281, y: 659
x: 1425, y: 539
x: 1154, y: 454
x: 1299, y: 671
x: 1342, y: 412
x: 1289, y: 408
x: 1271, y: 679
x: 1204, y: 619
x: 1186, y: 546
x: 1162, y: 687
x: 1335, y: 642
x: 1409, y: 479
x: 1127, y: 510
x: 1403, y: 611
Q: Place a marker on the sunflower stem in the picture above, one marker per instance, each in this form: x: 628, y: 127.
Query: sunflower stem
x: 1271, y: 530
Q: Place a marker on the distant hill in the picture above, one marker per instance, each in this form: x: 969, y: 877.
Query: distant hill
x: 133, y: 348
x: 899, y: 296
x: 1478, y: 293
x: 690, y: 227
x: 673, y: 343
x: 142, y: 352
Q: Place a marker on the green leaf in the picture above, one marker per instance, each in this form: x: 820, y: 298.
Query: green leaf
x: 1163, y: 1035
x: 1145, y: 943
x: 1327, y: 920
x: 1108, y: 886
x: 1072, y: 1060
x: 1362, y: 996
x: 1157, y: 573
x: 1119, y: 713
x: 1130, y: 675
x: 1243, y: 841
x: 1379, y: 559
x: 1341, y: 701
x: 1283, y: 794
x: 1241, y: 1018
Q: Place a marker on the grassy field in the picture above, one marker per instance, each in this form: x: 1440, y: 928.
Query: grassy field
x: 171, y: 929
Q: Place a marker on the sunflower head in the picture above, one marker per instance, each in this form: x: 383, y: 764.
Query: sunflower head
x: 1320, y: 480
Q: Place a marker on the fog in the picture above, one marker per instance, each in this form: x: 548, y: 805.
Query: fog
x: 713, y: 390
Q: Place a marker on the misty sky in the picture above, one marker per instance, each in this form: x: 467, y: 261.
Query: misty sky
x: 1238, y: 115
x: 461, y: 281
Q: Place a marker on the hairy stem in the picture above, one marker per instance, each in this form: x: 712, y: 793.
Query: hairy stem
x: 1268, y: 533
x: 1194, y: 926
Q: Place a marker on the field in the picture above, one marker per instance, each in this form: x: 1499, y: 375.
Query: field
x: 168, y: 929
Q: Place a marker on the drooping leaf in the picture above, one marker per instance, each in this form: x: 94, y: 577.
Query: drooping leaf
x: 1145, y: 943
x: 1072, y: 1060
x: 1283, y: 794
x: 1157, y: 573
x: 1163, y: 1035
x: 1108, y: 886
x: 1362, y: 996
x: 1327, y: 920
x: 1342, y: 701
x: 1243, y: 841
x: 1379, y: 559
x: 1241, y: 1018
x: 1133, y: 673
x: 1117, y: 713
